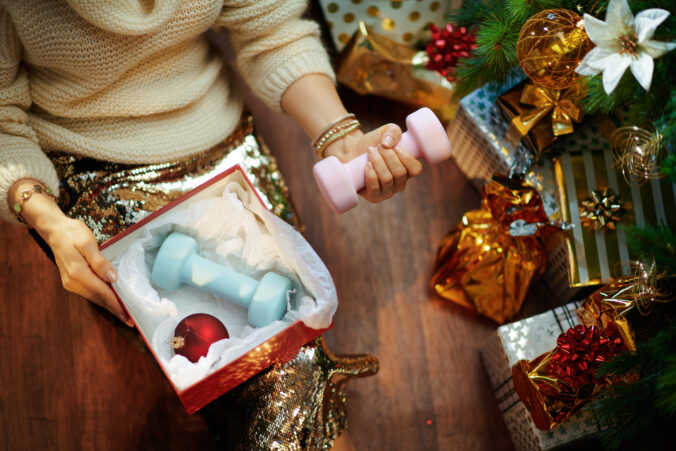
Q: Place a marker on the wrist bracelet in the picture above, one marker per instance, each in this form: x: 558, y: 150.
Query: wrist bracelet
x: 335, y: 131
x: 27, y: 194
x: 338, y: 121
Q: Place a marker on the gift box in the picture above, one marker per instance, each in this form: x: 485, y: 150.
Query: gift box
x: 233, y: 228
x: 374, y: 64
x: 400, y: 21
x: 489, y: 261
x: 486, y: 140
x: 593, y: 254
x: 478, y: 138
x: 527, y: 339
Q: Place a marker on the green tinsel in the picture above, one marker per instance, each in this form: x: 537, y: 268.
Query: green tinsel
x: 641, y: 414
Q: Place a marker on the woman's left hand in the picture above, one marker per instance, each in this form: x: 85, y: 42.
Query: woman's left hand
x: 389, y: 167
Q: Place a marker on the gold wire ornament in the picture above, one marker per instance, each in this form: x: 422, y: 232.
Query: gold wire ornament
x: 551, y: 45
x: 648, y: 287
x: 638, y: 153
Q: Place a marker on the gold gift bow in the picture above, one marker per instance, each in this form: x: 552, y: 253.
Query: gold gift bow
x: 562, y: 104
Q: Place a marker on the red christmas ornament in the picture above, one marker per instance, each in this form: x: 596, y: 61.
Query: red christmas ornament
x: 448, y: 44
x: 195, y: 334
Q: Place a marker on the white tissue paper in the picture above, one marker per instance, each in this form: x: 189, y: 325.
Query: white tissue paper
x: 233, y: 230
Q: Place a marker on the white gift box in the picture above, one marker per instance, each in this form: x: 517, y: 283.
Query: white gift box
x: 526, y: 340
x: 233, y: 228
x: 401, y: 21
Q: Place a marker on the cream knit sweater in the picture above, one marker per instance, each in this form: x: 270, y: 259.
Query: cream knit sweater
x: 135, y: 81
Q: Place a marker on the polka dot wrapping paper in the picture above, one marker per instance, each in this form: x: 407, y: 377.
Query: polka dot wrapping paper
x: 404, y: 21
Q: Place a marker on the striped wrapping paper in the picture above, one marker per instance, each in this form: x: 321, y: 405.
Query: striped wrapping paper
x: 586, y: 165
x: 527, y: 339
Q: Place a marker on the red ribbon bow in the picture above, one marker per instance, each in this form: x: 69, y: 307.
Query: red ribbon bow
x: 581, y: 350
x: 447, y: 46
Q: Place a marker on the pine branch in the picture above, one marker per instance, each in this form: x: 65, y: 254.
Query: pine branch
x: 657, y: 242
x: 519, y: 11
x: 493, y: 58
x: 641, y: 414
x: 669, y: 166
x: 475, y: 12
x: 598, y: 102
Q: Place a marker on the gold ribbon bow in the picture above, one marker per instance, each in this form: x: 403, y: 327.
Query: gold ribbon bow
x: 562, y: 104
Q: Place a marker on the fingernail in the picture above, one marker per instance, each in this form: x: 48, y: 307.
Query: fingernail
x: 388, y: 141
x: 372, y: 150
x: 111, y: 275
x: 399, y: 149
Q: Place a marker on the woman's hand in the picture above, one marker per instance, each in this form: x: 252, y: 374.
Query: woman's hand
x: 84, y: 270
x: 389, y: 167
x: 313, y: 102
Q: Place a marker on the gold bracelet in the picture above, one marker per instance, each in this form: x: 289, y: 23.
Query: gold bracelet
x: 27, y: 194
x: 333, y: 134
x: 333, y: 124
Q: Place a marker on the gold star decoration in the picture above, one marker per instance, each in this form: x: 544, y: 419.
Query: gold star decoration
x: 602, y: 210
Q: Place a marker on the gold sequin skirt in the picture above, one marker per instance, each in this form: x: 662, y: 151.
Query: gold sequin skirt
x: 109, y: 197
x: 296, y: 405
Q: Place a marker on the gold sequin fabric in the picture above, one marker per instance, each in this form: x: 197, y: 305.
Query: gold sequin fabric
x: 299, y: 405
x: 109, y: 197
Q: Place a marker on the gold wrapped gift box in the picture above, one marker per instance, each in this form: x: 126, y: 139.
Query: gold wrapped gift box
x: 374, y: 64
x: 588, y: 166
x: 489, y: 261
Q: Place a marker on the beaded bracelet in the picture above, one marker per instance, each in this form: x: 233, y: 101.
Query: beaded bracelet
x: 25, y: 195
x: 335, y: 131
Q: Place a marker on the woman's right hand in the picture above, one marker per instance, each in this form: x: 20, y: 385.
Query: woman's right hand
x: 84, y: 270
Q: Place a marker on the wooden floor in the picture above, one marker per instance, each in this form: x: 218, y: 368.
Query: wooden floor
x: 70, y: 380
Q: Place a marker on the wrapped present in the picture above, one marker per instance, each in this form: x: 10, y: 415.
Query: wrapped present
x: 232, y: 236
x: 538, y: 115
x: 490, y: 260
x: 527, y: 339
x: 375, y: 64
x: 595, y: 198
x: 556, y: 384
x: 478, y: 136
x: 506, y: 127
x: 404, y: 22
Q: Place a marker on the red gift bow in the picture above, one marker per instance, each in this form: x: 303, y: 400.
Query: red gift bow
x: 581, y: 350
x: 447, y: 46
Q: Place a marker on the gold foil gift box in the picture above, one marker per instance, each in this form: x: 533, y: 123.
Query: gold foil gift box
x: 489, y: 261
x: 374, y: 64
x: 556, y: 384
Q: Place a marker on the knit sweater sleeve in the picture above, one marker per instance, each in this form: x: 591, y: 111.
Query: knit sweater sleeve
x: 20, y: 152
x: 274, y: 47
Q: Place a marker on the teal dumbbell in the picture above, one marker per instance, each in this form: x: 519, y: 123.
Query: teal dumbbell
x: 177, y: 263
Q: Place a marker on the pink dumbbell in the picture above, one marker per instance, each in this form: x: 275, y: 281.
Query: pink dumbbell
x: 339, y: 182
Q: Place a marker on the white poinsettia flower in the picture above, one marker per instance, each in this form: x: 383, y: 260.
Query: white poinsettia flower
x: 624, y: 41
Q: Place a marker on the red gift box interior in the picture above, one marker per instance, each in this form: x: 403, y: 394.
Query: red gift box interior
x: 257, y: 359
